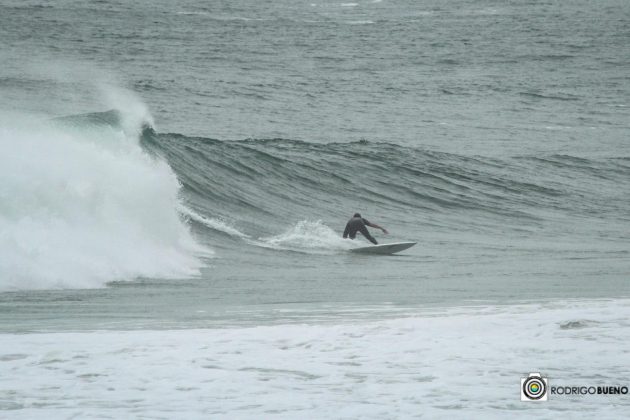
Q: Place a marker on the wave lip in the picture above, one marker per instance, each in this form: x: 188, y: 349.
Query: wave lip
x: 83, y: 206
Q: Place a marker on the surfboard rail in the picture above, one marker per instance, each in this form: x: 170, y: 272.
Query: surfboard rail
x: 384, y: 249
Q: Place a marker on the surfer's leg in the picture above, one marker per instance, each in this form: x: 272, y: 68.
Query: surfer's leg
x: 366, y: 233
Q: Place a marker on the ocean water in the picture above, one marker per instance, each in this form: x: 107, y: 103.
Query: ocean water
x: 175, y: 178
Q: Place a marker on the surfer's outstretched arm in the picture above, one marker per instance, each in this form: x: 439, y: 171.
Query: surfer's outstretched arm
x: 374, y: 225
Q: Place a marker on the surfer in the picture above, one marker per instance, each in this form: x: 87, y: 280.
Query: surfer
x: 358, y: 224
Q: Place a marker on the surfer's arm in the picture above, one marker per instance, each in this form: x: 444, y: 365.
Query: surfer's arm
x: 346, y: 231
x: 374, y: 225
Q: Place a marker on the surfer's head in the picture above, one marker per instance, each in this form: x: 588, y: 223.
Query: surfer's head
x: 357, y: 215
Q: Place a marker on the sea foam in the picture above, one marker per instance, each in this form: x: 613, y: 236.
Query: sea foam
x: 457, y: 363
x: 307, y: 236
x: 82, y: 206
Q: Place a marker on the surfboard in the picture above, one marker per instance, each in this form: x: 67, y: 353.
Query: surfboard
x: 384, y: 249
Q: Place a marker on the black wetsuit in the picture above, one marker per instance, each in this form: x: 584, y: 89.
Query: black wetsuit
x: 357, y: 224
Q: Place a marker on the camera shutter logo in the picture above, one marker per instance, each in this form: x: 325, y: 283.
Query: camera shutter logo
x: 534, y: 387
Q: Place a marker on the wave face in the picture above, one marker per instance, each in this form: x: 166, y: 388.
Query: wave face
x: 257, y: 188
x: 82, y: 204
x: 94, y: 198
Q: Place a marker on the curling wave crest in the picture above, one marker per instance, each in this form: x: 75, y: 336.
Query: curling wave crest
x: 82, y: 206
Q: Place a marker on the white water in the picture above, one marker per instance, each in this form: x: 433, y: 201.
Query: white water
x: 457, y: 363
x: 80, y: 207
x: 308, y: 236
x: 212, y: 223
